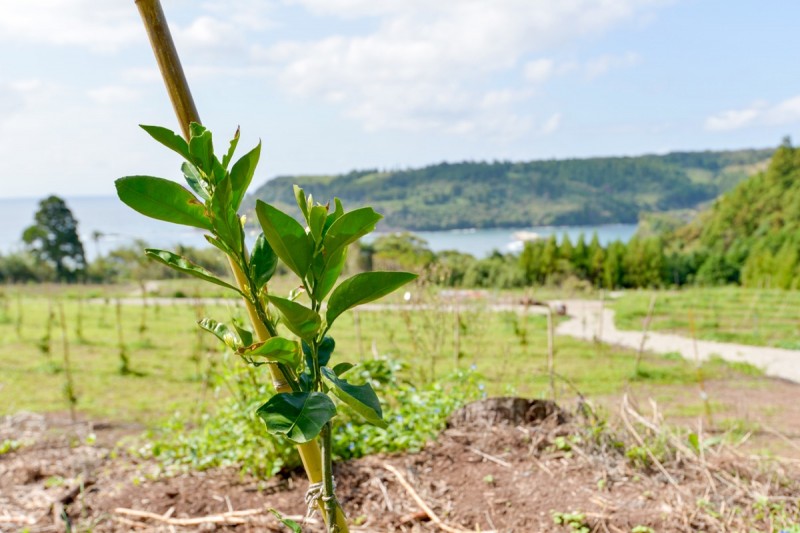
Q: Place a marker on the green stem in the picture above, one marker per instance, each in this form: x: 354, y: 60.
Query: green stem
x: 328, y: 498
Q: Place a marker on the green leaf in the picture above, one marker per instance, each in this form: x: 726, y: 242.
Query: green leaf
x: 361, y: 398
x: 297, y: 415
x: 226, y: 159
x: 694, y: 441
x: 364, y: 288
x: 242, y: 174
x: 225, y: 220
x: 201, y: 148
x: 349, y: 228
x: 302, y: 201
x: 263, y: 262
x: 245, y: 335
x: 168, y: 138
x: 300, y: 320
x: 194, y: 179
x: 316, y: 221
x: 277, y: 349
x: 330, y: 273
x: 181, y: 264
x: 341, y: 368
x: 324, y: 351
x: 163, y: 200
x: 291, y: 524
x: 286, y: 236
x: 333, y: 217
x: 220, y: 331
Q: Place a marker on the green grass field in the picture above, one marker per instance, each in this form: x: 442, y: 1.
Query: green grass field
x: 728, y: 314
x: 171, y: 356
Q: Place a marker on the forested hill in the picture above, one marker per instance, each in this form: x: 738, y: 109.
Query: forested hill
x: 505, y: 194
x: 752, y: 233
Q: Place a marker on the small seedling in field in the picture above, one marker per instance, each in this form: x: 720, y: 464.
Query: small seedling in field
x: 69, y: 386
x: 45, y: 342
x: 302, y: 370
x: 122, y: 350
x: 18, y: 322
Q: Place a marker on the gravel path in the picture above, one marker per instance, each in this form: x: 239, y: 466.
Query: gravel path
x: 585, y: 324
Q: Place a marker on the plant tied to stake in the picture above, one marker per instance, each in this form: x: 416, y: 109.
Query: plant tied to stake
x: 303, y: 370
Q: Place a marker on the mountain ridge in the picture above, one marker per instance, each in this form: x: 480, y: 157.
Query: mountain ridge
x: 504, y: 194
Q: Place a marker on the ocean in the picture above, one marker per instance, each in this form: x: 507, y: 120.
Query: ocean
x: 105, y: 223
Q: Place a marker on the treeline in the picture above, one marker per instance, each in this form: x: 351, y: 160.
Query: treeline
x: 125, y: 263
x: 523, y: 194
x: 750, y: 236
x: 556, y: 262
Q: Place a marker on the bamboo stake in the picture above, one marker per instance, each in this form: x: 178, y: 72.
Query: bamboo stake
x: 182, y: 102
x: 551, y: 352
x: 645, y: 328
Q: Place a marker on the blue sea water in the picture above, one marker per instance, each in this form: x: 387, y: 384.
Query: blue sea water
x: 105, y: 223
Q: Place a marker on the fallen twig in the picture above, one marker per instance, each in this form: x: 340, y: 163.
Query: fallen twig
x: 435, y: 519
x: 488, y: 457
x: 231, y: 517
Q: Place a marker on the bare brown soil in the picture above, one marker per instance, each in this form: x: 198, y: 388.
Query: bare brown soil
x: 506, y: 465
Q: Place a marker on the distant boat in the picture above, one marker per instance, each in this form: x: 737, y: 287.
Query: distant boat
x: 526, y: 236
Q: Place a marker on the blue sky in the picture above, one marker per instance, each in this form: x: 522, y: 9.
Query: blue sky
x: 333, y: 85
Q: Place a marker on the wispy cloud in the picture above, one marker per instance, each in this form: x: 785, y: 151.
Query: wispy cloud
x: 432, y: 65
x: 759, y: 113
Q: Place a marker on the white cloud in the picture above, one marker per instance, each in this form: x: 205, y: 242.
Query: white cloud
x: 759, y: 113
x: 101, y: 26
x: 113, y: 94
x: 552, y: 124
x: 431, y: 65
x: 539, y: 71
x: 601, y: 65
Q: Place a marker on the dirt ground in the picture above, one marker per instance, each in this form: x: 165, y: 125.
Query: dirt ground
x: 508, y: 465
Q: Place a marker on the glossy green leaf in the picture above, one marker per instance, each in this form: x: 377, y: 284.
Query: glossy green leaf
x: 333, y: 217
x: 163, y: 200
x: 316, y: 221
x: 245, y: 335
x: 225, y: 220
x: 286, y: 237
x: 324, y: 351
x: 181, y: 264
x: 226, y: 159
x: 201, y: 148
x: 220, y: 331
x: 194, y: 179
x: 216, y: 243
x: 330, y: 273
x: 361, y: 398
x: 300, y: 320
x: 342, y: 368
x: 349, y: 228
x: 169, y: 138
x: 302, y: 201
x: 297, y: 415
x: 263, y: 262
x: 276, y: 349
x: 242, y: 174
x: 364, y: 288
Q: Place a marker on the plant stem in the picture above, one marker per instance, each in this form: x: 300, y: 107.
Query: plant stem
x: 328, y: 497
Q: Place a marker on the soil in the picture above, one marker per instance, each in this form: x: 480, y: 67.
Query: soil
x: 506, y: 465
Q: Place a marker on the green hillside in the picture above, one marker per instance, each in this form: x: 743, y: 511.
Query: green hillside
x: 506, y: 194
x: 752, y: 233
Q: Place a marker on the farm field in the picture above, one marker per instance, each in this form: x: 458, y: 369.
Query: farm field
x: 758, y: 317
x: 174, y: 367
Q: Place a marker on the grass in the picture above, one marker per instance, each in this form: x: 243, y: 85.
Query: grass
x: 169, y: 359
x: 759, y: 317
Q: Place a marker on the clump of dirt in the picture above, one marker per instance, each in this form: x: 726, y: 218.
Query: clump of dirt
x: 506, y: 464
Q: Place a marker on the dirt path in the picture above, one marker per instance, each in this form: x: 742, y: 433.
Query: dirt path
x: 585, y: 324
